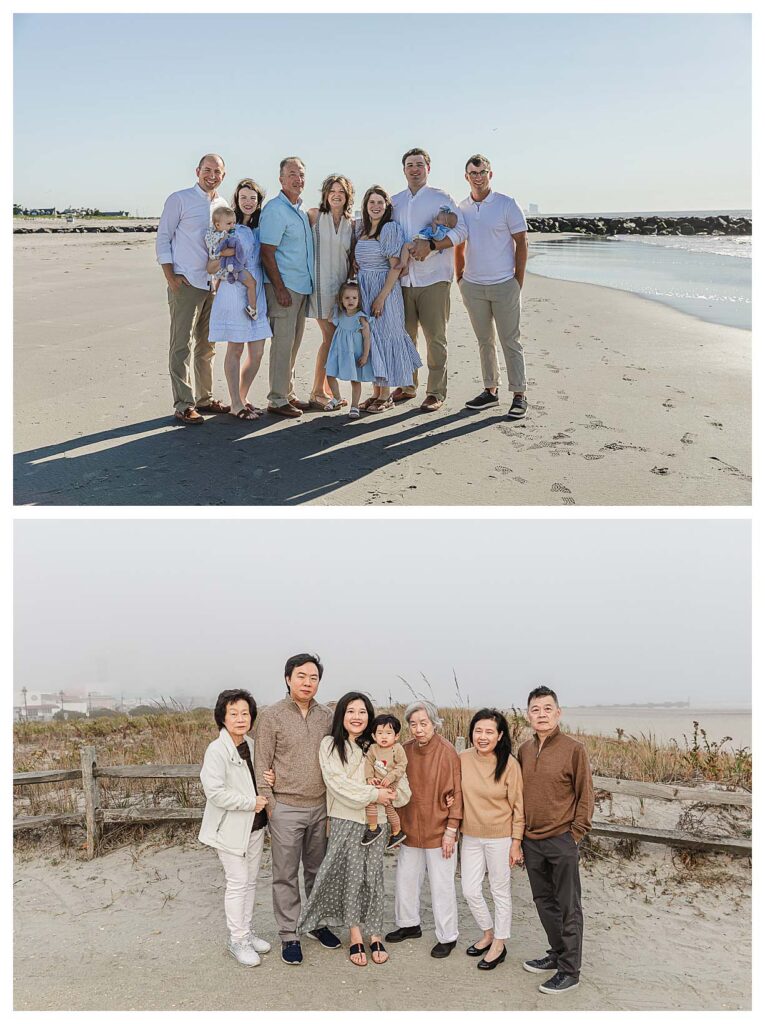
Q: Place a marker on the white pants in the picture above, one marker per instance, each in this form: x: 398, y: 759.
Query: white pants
x: 410, y: 872
x: 478, y: 856
x: 241, y: 875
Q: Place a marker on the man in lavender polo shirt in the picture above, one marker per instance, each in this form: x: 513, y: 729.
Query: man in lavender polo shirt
x: 490, y: 269
x: 182, y: 254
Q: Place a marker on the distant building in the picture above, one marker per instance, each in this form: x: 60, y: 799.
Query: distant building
x: 533, y: 210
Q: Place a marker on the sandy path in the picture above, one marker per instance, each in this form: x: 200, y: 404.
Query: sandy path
x: 631, y: 403
x: 144, y: 929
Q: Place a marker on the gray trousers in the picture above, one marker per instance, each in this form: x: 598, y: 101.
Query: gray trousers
x: 553, y: 869
x: 297, y: 833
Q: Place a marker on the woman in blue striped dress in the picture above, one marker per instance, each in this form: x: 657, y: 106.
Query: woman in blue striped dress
x: 381, y: 254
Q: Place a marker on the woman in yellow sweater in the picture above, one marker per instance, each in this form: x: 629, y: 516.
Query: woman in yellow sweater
x: 492, y: 829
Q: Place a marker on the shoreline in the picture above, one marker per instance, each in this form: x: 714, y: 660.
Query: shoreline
x: 631, y: 403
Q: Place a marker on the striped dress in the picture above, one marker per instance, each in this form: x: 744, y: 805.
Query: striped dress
x: 394, y: 357
x: 330, y: 262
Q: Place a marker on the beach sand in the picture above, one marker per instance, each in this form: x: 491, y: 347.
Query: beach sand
x: 630, y: 403
x: 142, y: 928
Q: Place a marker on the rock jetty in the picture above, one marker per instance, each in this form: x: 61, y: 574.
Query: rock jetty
x: 722, y: 225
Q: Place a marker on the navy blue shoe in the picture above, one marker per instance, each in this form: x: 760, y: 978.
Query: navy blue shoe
x: 292, y: 953
x: 327, y: 938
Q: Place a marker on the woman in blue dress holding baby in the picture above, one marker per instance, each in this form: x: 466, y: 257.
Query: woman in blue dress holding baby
x: 231, y: 319
x: 381, y: 254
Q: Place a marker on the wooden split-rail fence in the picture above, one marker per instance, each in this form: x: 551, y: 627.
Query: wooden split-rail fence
x: 94, y: 816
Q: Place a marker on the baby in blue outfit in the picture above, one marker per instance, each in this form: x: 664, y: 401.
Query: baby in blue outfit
x: 441, y: 224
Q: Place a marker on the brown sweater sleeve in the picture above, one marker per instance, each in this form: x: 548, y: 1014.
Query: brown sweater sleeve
x: 515, y: 798
x: 585, y: 797
x: 455, y: 811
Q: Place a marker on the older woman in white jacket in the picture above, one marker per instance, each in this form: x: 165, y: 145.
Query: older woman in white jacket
x: 234, y: 819
x: 348, y: 890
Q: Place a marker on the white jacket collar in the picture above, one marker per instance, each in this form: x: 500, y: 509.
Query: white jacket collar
x: 230, y: 747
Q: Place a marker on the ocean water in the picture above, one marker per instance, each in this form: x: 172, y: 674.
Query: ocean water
x: 665, y: 724
x: 708, y: 276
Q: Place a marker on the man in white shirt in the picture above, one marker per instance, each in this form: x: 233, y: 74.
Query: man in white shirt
x: 182, y: 254
x: 490, y: 268
x: 427, y: 280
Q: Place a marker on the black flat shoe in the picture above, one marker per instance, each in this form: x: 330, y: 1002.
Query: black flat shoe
x: 442, y: 949
x: 489, y: 965
x: 475, y: 951
x: 412, y: 932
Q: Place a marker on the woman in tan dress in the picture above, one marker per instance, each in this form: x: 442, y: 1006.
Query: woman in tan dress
x: 332, y: 227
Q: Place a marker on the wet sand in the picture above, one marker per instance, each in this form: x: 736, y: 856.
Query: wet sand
x: 630, y: 403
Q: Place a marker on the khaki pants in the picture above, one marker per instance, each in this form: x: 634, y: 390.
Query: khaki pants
x: 297, y: 833
x: 287, y: 326
x: 189, y: 323
x: 429, y: 308
x: 499, y: 305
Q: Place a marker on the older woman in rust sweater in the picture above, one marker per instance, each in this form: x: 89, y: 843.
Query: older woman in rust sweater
x: 431, y: 826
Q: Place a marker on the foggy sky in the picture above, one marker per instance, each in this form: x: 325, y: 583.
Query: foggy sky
x: 603, y: 611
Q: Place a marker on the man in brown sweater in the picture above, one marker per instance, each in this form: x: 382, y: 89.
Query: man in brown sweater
x: 558, y: 803
x: 287, y: 739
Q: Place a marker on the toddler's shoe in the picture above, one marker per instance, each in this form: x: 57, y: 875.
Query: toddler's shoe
x: 370, y: 834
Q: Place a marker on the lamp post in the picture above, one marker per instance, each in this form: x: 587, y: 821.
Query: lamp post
x: 26, y: 710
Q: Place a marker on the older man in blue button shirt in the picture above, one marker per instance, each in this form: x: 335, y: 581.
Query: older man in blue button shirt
x: 286, y: 251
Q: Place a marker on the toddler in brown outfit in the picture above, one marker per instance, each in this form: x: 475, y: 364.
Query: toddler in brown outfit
x: 384, y: 765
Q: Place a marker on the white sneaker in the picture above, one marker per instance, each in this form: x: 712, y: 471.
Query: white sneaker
x: 259, y: 945
x: 243, y: 953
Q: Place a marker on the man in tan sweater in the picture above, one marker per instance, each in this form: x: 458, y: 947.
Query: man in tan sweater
x: 287, y: 739
x: 558, y: 803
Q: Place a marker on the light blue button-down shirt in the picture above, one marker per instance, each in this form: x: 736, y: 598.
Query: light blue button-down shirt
x: 288, y: 228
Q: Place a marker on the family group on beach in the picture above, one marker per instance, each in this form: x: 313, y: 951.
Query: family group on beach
x: 336, y: 788
x: 245, y: 273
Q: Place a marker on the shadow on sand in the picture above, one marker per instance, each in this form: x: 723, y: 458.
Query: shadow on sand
x: 265, y: 462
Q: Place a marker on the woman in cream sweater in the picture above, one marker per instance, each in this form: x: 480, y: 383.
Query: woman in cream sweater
x: 348, y: 890
x: 492, y: 829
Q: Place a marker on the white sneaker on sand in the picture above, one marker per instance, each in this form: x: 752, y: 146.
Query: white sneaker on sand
x: 243, y: 953
x: 259, y: 945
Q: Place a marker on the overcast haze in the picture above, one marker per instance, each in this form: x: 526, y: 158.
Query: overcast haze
x: 603, y: 611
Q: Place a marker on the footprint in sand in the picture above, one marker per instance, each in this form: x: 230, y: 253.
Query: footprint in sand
x: 563, y: 396
x: 669, y: 404
x: 503, y: 469
x: 688, y: 438
x: 591, y: 457
x: 731, y: 470
x: 568, y: 501
x: 621, y: 446
x: 714, y: 423
x: 519, y: 480
x: 560, y: 489
x: 661, y: 470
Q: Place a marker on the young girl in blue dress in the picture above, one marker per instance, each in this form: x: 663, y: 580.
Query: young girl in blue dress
x: 348, y: 357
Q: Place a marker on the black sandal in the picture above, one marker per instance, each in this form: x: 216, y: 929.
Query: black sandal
x: 356, y: 948
x: 377, y: 947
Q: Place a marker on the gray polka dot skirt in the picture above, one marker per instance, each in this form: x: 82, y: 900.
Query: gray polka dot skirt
x: 348, y: 891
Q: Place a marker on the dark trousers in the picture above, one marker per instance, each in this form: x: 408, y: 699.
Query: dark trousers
x: 553, y: 869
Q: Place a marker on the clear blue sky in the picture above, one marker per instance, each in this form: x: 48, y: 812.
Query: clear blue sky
x: 576, y: 112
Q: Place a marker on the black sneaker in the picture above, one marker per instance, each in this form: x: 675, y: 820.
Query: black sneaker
x: 518, y: 409
x: 541, y: 966
x: 292, y: 953
x: 327, y: 938
x: 394, y: 841
x: 483, y: 401
x: 442, y: 949
x: 559, y: 982
x: 370, y: 834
